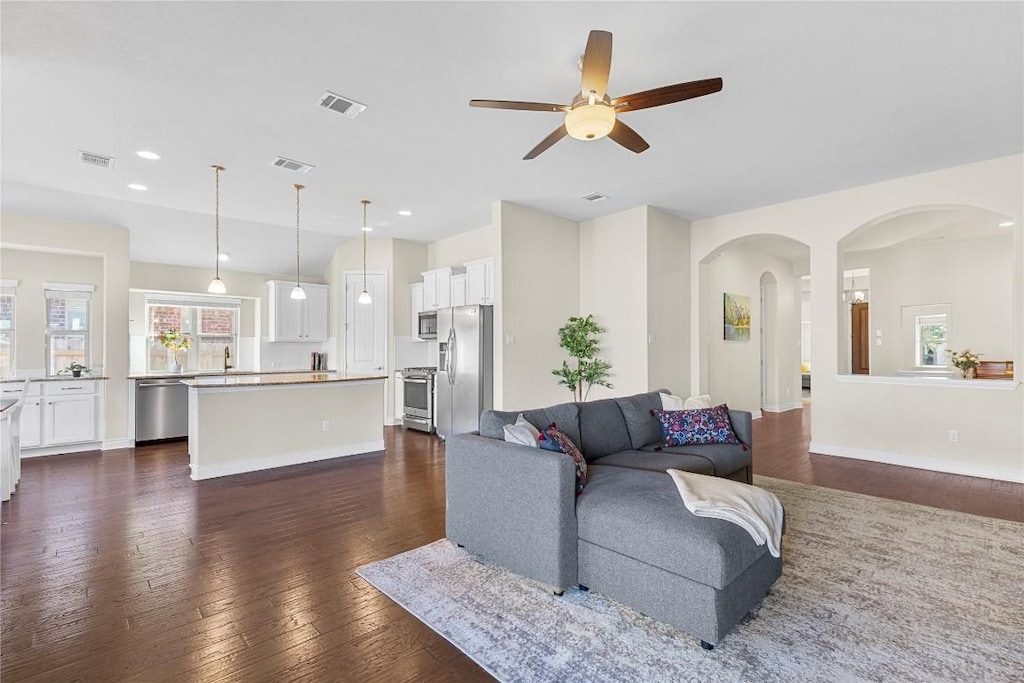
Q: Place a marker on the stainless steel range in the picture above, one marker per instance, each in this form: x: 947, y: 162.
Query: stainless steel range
x: 418, y: 412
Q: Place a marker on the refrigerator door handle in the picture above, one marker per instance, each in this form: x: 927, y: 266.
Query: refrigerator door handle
x: 452, y: 358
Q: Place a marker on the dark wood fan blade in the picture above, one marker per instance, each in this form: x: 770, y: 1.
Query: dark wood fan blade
x: 627, y: 137
x: 597, y: 64
x: 556, y: 135
x: 524, y: 106
x: 666, y: 95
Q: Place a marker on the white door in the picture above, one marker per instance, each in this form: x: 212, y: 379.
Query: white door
x: 366, y: 330
x: 30, y: 423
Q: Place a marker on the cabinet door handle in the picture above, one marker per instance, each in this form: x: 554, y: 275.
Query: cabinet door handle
x: 70, y: 388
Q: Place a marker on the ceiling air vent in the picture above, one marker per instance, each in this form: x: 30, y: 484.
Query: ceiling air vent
x: 292, y: 165
x: 594, y: 196
x: 342, y: 105
x: 95, y: 159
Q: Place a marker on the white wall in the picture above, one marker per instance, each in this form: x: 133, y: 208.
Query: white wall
x: 540, y: 291
x: 668, y: 304
x: 613, y: 287
x: 31, y: 269
x: 110, y: 243
x: 974, y: 276
x: 734, y: 367
x: 256, y: 352
x: 909, y: 422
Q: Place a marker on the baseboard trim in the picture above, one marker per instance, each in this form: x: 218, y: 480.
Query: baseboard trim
x: 783, y: 407
x: 284, y: 460
x: 755, y: 414
x: 60, y: 450
x: 117, y: 443
x: 968, y: 469
x: 392, y: 422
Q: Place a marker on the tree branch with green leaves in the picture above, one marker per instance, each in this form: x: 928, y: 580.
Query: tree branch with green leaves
x: 579, y: 338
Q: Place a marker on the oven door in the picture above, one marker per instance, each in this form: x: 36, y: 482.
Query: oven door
x: 419, y: 396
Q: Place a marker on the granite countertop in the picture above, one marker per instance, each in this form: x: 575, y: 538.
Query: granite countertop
x: 279, y: 379
x: 61, y: 378
x: 220, y: 373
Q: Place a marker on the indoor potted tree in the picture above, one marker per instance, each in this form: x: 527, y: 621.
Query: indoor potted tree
x: 578, y: 337
x: 174, y: 341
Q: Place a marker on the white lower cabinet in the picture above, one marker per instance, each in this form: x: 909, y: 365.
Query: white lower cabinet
x: 59, y: 413
x: 70, y: 420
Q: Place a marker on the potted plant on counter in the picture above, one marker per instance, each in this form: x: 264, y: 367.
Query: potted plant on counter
x: 76, y: 369
x: 174, y: 341
x: 966, y: 362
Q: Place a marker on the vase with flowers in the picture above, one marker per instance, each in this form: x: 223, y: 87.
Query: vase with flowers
x: 966, y: 361
x: 174, y: 341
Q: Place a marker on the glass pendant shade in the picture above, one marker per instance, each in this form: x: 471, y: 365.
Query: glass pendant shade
x: 298, y: 292
x: 590, y: 121
x: 217, y: 286
x: 365, y: 298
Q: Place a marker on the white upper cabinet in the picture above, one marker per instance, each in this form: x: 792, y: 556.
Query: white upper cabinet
x: 459, y: 290
x: 437, y: 287
x: 480, y: 281
x: 298, y: 320
x: 416, y: 304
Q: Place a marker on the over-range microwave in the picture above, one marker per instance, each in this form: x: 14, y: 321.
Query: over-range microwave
x: 428, y: 325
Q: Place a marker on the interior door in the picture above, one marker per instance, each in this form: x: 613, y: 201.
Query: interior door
x: 366, y: 344
x: 860, y: 339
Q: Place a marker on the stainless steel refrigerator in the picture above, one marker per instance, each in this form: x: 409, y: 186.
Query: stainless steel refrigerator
x: 465, y: 353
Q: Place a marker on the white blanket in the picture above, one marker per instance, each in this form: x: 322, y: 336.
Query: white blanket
x: 758, y: 511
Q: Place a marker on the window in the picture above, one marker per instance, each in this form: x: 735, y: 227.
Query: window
x: 930, y: 340
x: 67, y: 326
x: 210, y: 325
x: 8, y: 307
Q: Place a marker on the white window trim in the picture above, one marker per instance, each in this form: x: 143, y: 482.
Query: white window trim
x: 62, y: 288
x: 49, y: 332
x: 194, y: 303
x: 10, y: 288
x: 918, y: 365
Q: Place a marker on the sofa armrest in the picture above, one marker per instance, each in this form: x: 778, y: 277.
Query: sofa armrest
x: 514, y: 506
x: 743, y: 425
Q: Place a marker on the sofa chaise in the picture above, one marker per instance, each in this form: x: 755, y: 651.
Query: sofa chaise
x: 628, y: 535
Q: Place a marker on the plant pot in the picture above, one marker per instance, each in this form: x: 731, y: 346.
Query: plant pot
x: 175, y: 368
x: 76, y: 373
x: 967, y: 373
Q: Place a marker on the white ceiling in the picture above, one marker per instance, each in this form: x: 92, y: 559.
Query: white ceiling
x: 817, y: 97
x: 923, y: 227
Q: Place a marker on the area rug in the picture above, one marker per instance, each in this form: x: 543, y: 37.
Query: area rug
x: 871, y: 590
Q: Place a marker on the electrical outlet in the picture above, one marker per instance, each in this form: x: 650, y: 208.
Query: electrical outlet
x: 954, y: 436
x: 878, y: 342
x: 510, y: 339
x: 326, y: 426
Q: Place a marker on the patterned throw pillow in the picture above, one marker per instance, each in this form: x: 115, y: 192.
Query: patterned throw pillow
x: 704, y: 425
x: 553, y: 440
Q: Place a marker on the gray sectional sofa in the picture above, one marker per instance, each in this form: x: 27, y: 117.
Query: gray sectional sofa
x: 628, y: 535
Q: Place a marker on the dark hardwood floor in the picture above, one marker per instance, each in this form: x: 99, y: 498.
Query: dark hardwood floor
x: 119, y: 567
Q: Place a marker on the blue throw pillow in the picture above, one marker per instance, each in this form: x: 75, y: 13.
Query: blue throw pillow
x: 701, y: 426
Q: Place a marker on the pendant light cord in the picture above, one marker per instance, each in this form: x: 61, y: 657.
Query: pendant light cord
x: 297, y: 188
x: 366, y: 202
x: 216, y: 218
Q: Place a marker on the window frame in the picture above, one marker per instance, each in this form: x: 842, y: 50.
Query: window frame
x: 910, y: 338
x: 929, y: 320
x: 192, y: 313
x: 51, y: 295
x: 10, y: 288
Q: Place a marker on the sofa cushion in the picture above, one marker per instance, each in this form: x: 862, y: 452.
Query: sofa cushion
x: 700, y: 426
x: 641, y: 515
x: 724, y: 458
x: 565, y: 415
x: 643, y: 427
x: 657, y: 461
x: 603, y: 429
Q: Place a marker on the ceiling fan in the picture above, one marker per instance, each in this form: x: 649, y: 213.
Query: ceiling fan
x: 593, y: 114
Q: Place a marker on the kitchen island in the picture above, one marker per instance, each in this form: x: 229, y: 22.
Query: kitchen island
x: 256, y: 422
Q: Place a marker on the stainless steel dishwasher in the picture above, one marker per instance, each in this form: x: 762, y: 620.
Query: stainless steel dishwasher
x: 161, y: 409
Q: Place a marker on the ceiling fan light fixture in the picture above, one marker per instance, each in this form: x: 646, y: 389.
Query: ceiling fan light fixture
x: 590, y: 121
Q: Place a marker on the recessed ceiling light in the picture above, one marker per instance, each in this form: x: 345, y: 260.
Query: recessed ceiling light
x: 146, y: 154
x: 137, y: 187
x: 405, y: 212
x: 1006, y: 224
x: 223, y: 257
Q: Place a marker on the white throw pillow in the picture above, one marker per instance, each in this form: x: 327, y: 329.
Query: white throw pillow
x: 696, y: 402
x: 670, y: 402
x: 522, y: 432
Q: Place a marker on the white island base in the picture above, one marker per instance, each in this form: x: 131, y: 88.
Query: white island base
x: 251, y: 423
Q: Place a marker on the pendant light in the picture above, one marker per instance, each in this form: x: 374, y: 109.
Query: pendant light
x: 297, y: 291
x: 216, y: 284
x: 364, y: 297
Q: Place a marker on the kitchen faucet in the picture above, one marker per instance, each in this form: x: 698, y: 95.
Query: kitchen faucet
x: 227, y: 358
